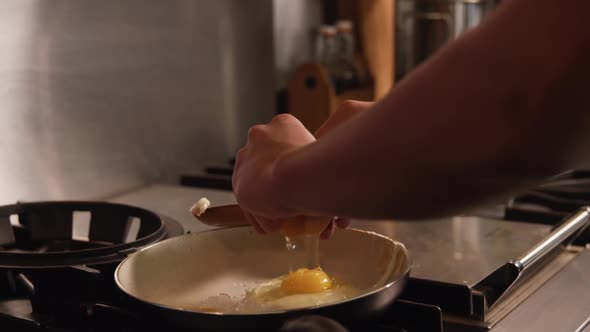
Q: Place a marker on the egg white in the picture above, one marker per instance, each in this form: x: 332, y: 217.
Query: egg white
x: 268, y: 296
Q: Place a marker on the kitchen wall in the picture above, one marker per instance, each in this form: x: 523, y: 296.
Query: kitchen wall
x: 99, y: 97
x: 294, y: 24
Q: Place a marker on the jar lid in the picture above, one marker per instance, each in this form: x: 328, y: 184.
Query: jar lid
x: 344, y: 26
x: 327, y: 30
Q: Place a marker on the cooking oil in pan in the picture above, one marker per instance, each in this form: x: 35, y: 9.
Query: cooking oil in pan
x: 306, y: 284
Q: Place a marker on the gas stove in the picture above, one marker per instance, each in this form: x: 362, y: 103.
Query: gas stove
x: 57, y: 261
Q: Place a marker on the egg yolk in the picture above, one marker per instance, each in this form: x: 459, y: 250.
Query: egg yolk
x: 306, y: 281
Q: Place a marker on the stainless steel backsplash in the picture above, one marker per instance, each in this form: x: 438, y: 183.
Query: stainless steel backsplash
x: 99, y: 97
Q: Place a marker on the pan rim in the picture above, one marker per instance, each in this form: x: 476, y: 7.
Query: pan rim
x: 402, y: 277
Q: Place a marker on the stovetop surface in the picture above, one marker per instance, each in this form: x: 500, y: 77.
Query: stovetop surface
x: 175, y: 201
x: 459, y: 250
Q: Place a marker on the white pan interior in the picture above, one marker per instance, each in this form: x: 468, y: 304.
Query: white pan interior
x: 182, y: 271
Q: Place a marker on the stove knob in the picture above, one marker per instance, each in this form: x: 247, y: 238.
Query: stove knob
x: 312, y: 324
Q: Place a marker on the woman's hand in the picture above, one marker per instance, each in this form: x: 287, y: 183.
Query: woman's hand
x: 253, y: 179
x: 253, y: 182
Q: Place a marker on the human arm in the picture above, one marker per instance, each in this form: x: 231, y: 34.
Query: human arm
x: 490, y: 112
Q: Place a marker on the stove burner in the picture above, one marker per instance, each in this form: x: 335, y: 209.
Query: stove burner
x: 57, y: 259
x: 44, y: 234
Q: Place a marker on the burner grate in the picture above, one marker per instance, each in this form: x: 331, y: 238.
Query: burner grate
x: 554, y: 200
x: 43, y: 234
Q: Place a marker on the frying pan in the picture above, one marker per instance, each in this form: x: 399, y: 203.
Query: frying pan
x: 168, y: 279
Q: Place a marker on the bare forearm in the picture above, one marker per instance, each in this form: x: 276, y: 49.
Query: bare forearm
x: 463, y: 127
